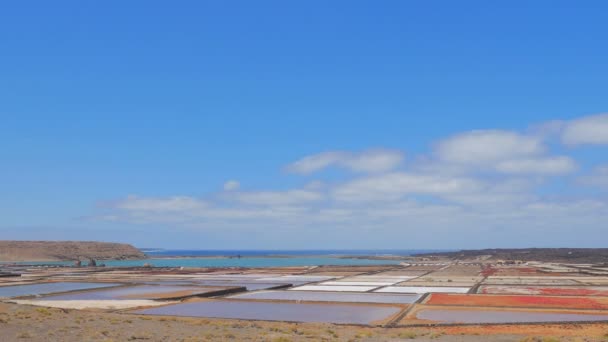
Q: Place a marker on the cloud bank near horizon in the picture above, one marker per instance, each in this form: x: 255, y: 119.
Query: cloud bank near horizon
x: 486, y: 183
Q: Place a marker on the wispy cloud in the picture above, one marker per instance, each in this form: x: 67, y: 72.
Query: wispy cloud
x: 232, y: 185
x: 371, y: 161
x: 489, y: 146
x: 541, y: 165
x: 598, y: 177
x: 395, y: 186
x: 278, y: 198
x: 587, y: 130
x: 502, y: 151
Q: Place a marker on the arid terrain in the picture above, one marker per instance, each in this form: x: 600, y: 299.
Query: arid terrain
x: 424, y: 300
x: 30, y: 323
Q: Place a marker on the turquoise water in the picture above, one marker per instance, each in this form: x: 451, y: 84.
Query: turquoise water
x: 234, y: 262
x: 248, y: 262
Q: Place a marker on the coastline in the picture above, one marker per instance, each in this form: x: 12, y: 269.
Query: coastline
x: 221, y: 262
x: 281, y: 256
x: 158, y: 257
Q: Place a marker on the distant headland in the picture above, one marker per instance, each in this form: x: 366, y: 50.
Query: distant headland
x: 572, y: 255
x: 66, y: 251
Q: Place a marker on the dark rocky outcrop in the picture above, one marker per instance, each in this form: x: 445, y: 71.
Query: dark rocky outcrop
x: 571, y: 255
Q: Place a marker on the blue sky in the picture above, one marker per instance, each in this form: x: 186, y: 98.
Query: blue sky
x: 316, y: 124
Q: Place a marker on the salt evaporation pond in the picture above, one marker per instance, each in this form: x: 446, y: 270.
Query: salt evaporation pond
x: 423, y: 289
x: 545, y: 290
x: 330, y: 288
x: 45, y: 288
x: 323, y: 313
x: 250, y: 276
x: 490, y: 316
x: 248, y: 286
x: 330, y: 297
x: 357, y: 283
x: 296, y: 278
x: 168, y: 282
x: 133, y: 292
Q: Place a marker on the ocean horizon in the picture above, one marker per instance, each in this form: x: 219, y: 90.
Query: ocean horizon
x: 166, y: 252
x: 254, y: 258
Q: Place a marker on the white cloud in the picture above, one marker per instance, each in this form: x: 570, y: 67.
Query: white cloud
x: 232, y: 185
x: 501, y: 151
x: 371, y: 161
x: 547, y: 129
x: 598, y: 177
x: 190, y: 210
x: 543, y: 165
x: 505, y: 193
x: 486, y: 220
x: 488, y: 146
x: 315, y: 162
x: 175, y: 203
x: 278, y: 198
x: 396, y: 185
x: 473, y: 185
x: 587, y: 130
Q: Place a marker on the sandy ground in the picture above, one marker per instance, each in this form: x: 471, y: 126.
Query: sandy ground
x: 92, y: 304
x: 29, y: 323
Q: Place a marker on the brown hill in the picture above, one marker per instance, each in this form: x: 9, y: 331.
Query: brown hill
x: 66, y: 250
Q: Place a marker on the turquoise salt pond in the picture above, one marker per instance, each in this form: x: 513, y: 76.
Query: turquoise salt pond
x: 46, y: 288
x: 324, y: 313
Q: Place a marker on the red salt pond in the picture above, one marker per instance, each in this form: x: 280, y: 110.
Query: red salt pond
x: 596, y: 303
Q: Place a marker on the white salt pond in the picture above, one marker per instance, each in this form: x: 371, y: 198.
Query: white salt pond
x: 345, y: 288
x: 293, y: 312
x: 298, y: 278
x: 250, y: 286
x: 168, y: 282
x: 379, y: 278
x: 250, y: 276
x: 357, y: 283
x: 133, y: 292
x: 47, y: 288
x: 423, y: 289
x: 330, y: 297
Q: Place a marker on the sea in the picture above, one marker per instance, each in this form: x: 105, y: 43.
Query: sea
x: 158, y: 257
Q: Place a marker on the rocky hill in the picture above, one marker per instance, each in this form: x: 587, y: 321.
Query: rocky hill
x: 66, y: 250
